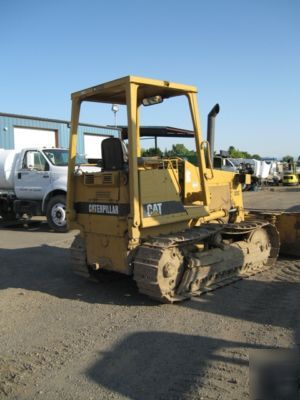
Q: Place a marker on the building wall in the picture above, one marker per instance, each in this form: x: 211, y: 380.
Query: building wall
x: 9, y: 121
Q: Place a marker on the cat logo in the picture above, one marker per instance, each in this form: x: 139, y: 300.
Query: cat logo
x: 154, y: 209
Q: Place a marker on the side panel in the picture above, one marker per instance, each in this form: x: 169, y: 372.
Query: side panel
x: 102, y: 208
x: 160, y: 200
x: 225, y: 190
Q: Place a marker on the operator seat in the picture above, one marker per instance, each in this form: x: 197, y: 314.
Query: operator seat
x: 114, y: 154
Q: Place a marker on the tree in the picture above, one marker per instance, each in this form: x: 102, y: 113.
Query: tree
x: 231, y: 149
x: 256, y: 156
x: 288, y: 158
x: 179, y: 150
x: 236, y: 153
x: 152, y: 151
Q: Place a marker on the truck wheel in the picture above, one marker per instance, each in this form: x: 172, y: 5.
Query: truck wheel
x: 56, y: 213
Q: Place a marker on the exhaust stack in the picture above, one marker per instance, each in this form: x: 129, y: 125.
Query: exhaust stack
x: 211, y: 128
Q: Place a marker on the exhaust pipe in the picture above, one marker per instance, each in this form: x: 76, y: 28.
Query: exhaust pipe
x: 211, y: 129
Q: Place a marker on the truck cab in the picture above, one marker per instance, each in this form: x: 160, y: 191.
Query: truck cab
x: 224, y: 164
x: 37, y: 171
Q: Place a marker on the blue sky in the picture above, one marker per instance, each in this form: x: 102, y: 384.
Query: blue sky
x: 243, y: 54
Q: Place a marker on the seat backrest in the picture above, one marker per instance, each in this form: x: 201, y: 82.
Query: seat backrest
x: 113, y: 157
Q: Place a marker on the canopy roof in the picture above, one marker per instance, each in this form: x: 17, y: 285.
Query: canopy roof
x: 114, y: 92
x: 159, y: 131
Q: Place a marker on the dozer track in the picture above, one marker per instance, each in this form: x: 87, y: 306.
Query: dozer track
x: 78, y: 257
x: 174, y: 268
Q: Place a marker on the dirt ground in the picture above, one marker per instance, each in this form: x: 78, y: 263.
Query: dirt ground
x: 274, y: 198
x: 63, y: 337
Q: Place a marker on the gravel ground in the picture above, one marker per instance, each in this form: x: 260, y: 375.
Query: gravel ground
x: 63, y: 337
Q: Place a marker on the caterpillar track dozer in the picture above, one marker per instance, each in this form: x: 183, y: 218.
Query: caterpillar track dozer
x: 177, y: 228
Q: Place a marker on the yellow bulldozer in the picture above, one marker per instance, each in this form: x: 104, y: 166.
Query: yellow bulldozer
x: 177, y: 228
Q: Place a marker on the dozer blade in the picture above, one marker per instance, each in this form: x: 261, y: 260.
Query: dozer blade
x: 288, y: 225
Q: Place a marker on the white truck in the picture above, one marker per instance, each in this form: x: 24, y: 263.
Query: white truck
x: 33, y: 182
x: 224, y: 163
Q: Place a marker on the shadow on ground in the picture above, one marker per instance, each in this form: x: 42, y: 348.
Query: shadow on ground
x: 47, y: 268
x: 163, y: 365
x: 25, y: 225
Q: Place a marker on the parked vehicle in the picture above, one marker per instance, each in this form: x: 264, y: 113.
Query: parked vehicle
x: 290, y: 179
x: 290, y: 176
x: 224, y: 163
x: 33, y: 182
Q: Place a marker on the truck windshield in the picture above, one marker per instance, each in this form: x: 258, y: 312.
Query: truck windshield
x: 57, y: 157
x: 60, y: 157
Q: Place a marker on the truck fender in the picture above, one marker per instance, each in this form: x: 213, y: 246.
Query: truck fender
x: 50, y: 194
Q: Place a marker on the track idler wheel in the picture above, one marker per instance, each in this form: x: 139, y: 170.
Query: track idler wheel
x: 158, y: 272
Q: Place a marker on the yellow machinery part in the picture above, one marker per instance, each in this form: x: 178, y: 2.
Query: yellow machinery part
x: 288, y: 225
